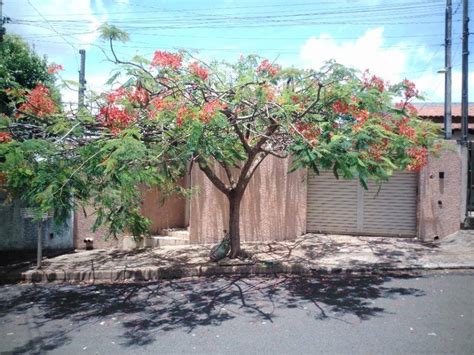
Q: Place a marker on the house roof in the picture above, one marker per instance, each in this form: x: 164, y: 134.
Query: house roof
x: 436, y: 110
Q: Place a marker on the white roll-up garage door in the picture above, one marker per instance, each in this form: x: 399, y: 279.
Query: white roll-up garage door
x: 345, y: 207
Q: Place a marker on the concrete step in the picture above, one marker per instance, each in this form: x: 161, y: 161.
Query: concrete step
x: 164, y: 240
x: 178, y: 233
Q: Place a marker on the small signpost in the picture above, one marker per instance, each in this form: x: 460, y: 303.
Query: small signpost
x: 34, y: 214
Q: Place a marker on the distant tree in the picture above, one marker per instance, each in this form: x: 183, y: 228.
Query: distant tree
x: 21, y: 69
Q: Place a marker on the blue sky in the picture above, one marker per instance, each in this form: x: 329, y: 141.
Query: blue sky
x: 395, y: 39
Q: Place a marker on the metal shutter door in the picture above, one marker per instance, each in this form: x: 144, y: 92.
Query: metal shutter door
x: 332, y: 204
x: 343, y: 206
x: 391, y: 210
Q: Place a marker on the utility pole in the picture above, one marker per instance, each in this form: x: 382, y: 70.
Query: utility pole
x: 465, y: 71
x: 82, y: 79
x: 447, y: 71
x: 2, y: 30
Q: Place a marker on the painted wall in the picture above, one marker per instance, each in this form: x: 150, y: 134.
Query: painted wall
x: 273, y: 207
x: 442, y: 200
x: 17, y: 233
x: 168, y: 213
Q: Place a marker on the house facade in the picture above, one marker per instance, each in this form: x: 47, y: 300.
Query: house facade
x: 278, y: 205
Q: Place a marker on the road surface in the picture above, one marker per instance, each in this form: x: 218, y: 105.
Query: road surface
x: 399, y: 314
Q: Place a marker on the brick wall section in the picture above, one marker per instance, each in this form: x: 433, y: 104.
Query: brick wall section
x: 273, y: 207
x: 83, y: 229
x: 168, y: 213
x: 441, y: 206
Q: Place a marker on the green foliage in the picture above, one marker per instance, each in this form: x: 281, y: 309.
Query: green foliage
x: 113, y: 33
x: 20, y: 68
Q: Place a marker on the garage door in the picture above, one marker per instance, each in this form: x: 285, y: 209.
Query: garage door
x: 343, y: 206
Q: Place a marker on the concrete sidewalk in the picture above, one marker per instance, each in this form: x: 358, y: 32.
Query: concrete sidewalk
x: 306, y: 255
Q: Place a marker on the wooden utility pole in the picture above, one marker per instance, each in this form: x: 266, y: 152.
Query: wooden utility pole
x: 82, y: 79
x: 465, y: 72
x: 2, y: 30
x: 447, y: 71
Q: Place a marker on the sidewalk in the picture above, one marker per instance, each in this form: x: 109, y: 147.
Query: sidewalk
x: 306, y: 255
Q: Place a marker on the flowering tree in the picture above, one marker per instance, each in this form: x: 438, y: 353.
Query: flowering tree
x: 175, y: 109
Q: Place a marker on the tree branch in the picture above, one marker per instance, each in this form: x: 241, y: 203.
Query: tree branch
x: 212, y: 177
x: 318, y: 96
x: 226, y: 168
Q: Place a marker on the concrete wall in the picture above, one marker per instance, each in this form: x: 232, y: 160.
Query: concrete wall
x: 17, y: 233
x: 168, y: 213
x: 273, y: 207
x: 441, y: 205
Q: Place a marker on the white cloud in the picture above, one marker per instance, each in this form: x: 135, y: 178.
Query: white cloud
x: 394, y: 63
x: 431, y: 86
x: 367, y: 52
x: 54, y: 27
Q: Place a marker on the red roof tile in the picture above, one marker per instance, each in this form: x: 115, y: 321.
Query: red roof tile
x: 430, y: 110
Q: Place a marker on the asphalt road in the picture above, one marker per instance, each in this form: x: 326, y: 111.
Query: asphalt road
x: 402, y: 314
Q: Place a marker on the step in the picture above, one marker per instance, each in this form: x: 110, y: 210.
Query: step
x: 165, y: 240
x: 178, y: 233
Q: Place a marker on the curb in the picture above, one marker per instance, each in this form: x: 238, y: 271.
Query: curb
x: 206, y: 270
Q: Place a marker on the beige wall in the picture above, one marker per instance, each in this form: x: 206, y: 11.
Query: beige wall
x: 273, y: 207
x: 442, y: 201
x: 168, y: 213
x: 83, y: 229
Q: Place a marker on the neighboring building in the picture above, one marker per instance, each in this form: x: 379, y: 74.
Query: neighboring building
x: 435, y: 113
x: 430, y: 204
x: 20, y: 234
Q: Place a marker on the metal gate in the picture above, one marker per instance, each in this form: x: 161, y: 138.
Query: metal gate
x: 345, y: 207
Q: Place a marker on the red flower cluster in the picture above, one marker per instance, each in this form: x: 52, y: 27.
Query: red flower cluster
x: 199, y: 71
x: 112, y: 115
x: 419, y: 156
x: 361, y: 115
x: 269, y: 92
x: 410, y: 89
x: 5, y: 137
x: 38, y: 102
x: 373, y: 82
x: 308, y: 131
x: 341, y: 107
x: 139, y: 96
x: 406, y: 131
x: 167, y: 59
x: 158, y: 104
x: 161, y: 104
x: 183, y: 114
x: 210, y: 109
x: 267, y: 67
x: 53, y: 68
x: 116, y: 95
x: 294, y: 99
x: 376, y: 151
x: 408, y: 107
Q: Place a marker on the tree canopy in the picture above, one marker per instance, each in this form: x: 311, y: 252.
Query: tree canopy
x: 174, y: 111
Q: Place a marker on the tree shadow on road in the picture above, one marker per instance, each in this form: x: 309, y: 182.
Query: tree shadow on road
x: 147, y: 310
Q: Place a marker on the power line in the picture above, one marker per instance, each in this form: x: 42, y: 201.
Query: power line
x: 65, y: 40
x: 240, y: 49
x: 392, y: 6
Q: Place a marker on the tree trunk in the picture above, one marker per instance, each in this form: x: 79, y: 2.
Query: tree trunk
x: 234, y: 224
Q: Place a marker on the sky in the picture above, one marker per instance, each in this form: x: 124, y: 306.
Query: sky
x: 393, y: 39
